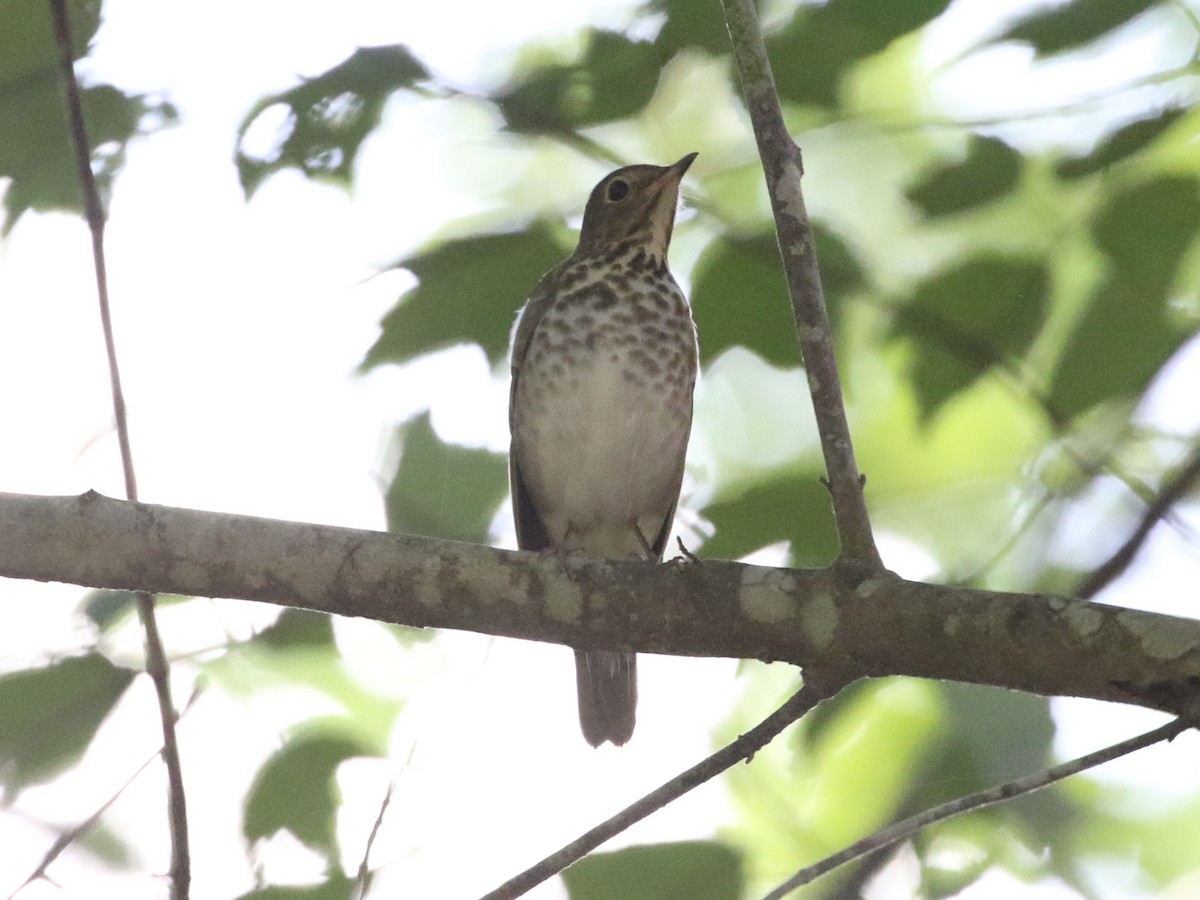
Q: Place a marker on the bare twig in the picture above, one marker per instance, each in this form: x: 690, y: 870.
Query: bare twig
x: 742, y: 749
x: 363, y: 880
x: 782, y: 167
x: 1171, y: 493
x: 156, y: 660
x: 900, y: 831
x: 70, y: 836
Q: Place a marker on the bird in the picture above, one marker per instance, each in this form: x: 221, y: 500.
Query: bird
x: 604, y: 361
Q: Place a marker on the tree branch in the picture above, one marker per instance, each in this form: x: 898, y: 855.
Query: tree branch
x: 156, y: 658
x: 782, y: 167
x: 821, y: 619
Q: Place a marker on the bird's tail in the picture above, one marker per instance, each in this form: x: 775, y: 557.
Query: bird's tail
x: 607, y: 682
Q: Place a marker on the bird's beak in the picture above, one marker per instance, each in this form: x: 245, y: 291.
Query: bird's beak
x: 682, y: 166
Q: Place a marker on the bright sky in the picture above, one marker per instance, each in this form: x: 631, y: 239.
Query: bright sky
x: 239, y: 327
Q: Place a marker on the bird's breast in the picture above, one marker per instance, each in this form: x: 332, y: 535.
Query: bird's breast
x: 603, y: 403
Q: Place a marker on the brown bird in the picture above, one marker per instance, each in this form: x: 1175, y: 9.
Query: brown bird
x: 603, y: 367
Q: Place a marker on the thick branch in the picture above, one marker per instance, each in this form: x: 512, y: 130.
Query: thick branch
x: 782, y: 168
x: 816, y: 618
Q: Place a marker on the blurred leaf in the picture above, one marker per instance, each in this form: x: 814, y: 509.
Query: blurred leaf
x: 740, y: 297
x: 990, y: 737
x: 48, y: 716
x: 812, y: 53
x: 108, y: 846
x: 329, y: 116
x: 793, y: 506
x: 1000, y: 735
x: 296, y: 790
x: 469, y: 292
x: 36, y: 151
x: 298, y: 652
x: 338, y: 887
x: 615, y: 79
x: 27, y: 44
x: 35, y: 145
x: 1118, y: 827
x: 1126, y: 334
x: 106, y: 608
x: 989, y: 172
x: 841, y: 272
x: 966, y: 320
x: 802, y: 800
x: 444, y: 490
x: 690, y: 24
x: 1070, y: 25
x: 817, y: 723
x: 846, y: 766
x: 698, y: 870
x: 1122, y: 143
x: 298, y: 628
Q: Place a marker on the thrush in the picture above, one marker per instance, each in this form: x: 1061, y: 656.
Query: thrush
x: 603, y: 367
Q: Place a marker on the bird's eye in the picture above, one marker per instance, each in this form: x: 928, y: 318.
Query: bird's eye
x: 618, y: 189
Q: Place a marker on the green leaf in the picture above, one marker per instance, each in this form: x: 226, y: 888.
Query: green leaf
x: 964, y: 321
x: 698, y: 870
x: 841, y: 272
x: 983, y: 722
x: 1071, y: 25
x: 793, y: 506
x: 105, y: 608
x: 812, y: 53
x: 338, y: 887
x: 990, y: 171
x: 690, y: 24
x: 48, y: 716
x: 299, y: 652
x: 615, y: 79
x: 469, y: 291
x: 296, y: 790
x: 444, y: 490
x: 36, y: 152
x: 27, y: 44
x: 740, y: 297
x: 329, y: 116
x: 1126, y: 333
x: 298, y: 629
x: 1122, y: 143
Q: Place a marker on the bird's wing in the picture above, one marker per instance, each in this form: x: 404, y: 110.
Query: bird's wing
x: 531, y: 530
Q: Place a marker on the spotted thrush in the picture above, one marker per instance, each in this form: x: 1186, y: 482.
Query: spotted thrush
x: 603, y: 367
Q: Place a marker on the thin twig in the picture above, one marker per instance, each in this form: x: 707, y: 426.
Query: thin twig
x: 742, y: 749
x: 156, y: 660
x: 900, y: 831
x: 364, y: 868
x: 69, y: 837
x: 782, y: 167
x: 1171, y: 493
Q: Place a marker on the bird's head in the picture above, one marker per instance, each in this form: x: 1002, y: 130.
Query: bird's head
x: 634, y: 205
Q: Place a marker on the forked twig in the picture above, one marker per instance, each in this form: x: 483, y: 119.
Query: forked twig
x: 156, y: 660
